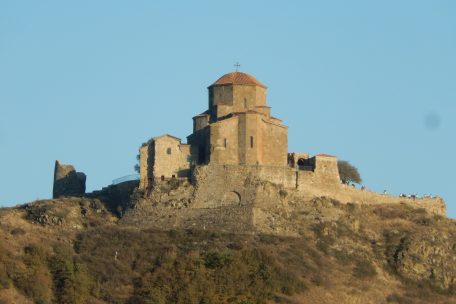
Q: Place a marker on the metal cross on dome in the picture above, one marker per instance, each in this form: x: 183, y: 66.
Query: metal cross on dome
x: 237, y: 65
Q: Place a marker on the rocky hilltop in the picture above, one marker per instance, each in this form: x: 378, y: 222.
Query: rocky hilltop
x: 121, y: 246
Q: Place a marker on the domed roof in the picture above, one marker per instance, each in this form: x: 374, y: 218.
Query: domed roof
x: 238, y: 78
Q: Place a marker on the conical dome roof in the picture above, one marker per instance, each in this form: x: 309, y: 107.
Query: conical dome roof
x: 238, y: 78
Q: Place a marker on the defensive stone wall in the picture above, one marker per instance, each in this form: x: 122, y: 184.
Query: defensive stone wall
x: 348, y: 194
x: 226, y: 185
x: 241, y: 198
x: 221, y: 185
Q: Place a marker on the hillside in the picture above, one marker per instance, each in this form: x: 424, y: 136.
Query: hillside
x: 79, y: 250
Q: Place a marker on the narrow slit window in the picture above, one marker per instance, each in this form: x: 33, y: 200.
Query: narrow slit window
x: 224, y: 143
x: 251, y: 141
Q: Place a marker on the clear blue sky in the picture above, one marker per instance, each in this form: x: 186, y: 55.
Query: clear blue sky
x: 86, y: 82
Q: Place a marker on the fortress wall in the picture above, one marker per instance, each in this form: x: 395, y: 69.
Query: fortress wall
x: 347, y: 194
x: 325, y: 176
x: 218, y: 185
x: 325, y: 182
x: 213, y: 183
x: 326, y: 169
x: 230, y: 185
x: 284, y: 176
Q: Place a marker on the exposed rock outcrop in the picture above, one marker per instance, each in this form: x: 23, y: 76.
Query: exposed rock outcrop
x: 68, y: 182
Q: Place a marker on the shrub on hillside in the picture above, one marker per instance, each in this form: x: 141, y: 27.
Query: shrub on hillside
x: 71, y: 281
x: 17, y: 231
x: 364, y: 269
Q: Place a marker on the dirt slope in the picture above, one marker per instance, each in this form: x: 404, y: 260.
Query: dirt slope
x: 74, y: 250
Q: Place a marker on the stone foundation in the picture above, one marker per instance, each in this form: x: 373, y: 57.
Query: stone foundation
x: 252, y: 199
x: 214, y: 182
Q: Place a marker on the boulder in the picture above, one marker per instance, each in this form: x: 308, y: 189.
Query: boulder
x: 68, y: 182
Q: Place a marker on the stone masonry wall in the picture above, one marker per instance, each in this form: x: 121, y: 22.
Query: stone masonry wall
x: 222, y: 185
x: 170, y: 158
x: 251, y: 199
x: 274, y: 139
x: 224, y: 141
x: 217, y: 185
x: 68, y: 182
x: 347, y: 194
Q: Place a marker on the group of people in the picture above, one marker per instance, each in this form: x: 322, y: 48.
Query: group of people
x: 415, y: 196
x: 412, y: 196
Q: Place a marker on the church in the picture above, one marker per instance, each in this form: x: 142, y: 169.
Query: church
x: 236, y: 130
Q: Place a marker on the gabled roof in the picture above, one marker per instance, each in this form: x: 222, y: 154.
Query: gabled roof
x: 325, y: 155
x: 165, y: 135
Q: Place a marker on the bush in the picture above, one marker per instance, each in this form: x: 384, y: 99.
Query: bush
x: 71, y: 282
x: 393, y: 298
x: 174, y: 183
x: 217, y: 260
x: 185, y: 267
x: 17, y: 231
x: 29, y: 273
x: 5, y: 282
x: 364, y: 269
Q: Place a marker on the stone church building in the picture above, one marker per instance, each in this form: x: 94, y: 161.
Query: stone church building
x: 237, y: 130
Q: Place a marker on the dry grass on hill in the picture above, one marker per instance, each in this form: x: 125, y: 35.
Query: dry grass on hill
x: 376, y: 254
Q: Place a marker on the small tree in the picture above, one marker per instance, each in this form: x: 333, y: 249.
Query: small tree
x: 136, y: 167
x: 348, y: 173
x: 138, y: 159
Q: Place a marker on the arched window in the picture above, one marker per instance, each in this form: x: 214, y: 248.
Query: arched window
x: 305, y: 164
x: 168, y: 151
